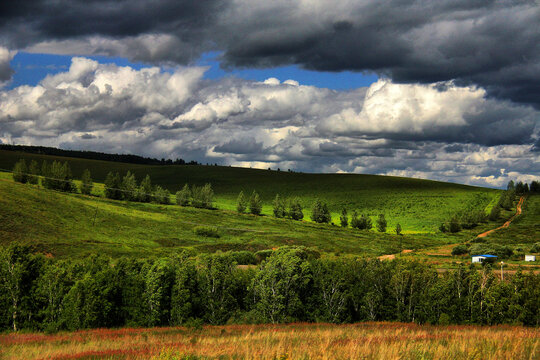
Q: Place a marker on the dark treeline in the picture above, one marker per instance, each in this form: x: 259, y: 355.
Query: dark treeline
x: 125, y: 158
x: 291, y: 284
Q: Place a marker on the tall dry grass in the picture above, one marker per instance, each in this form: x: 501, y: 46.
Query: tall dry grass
x: 294, y: 341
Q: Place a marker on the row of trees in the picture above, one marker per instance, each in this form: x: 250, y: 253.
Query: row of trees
x: 55, y: 175
x: 201, y: 197
x: 37, y: 293
x: 320, y: 213
x: 126, y: 188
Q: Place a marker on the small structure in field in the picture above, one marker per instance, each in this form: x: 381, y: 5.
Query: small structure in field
x: 483, y: 258
x: 530, y: 258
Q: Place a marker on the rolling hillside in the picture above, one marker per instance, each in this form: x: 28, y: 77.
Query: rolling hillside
x: 418, y: 205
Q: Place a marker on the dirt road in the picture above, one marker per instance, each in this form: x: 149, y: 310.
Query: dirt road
x: 506, y: 224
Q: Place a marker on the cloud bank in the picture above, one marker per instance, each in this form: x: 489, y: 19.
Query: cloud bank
x: 494, y: 44
x: 443, y: 131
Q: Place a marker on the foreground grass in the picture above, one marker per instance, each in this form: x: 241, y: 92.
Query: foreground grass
x: 419, y: 206
x: 294, y: 341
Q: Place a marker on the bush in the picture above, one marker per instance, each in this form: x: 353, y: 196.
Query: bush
x: 503, y: 252
x: 262, y: 255
x: 453, y: 225
x: 207, y: 231
x: 145, y: 190
x: 460, y: 250
x: 58, y: 176
x: 535, y: 248
x: 244, y: 257
x: 398, y: 229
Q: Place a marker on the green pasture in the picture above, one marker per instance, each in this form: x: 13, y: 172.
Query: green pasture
x: 418, y: 205
x: 68, y: 225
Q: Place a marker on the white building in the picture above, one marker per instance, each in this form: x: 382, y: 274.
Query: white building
x: 530, y: 258
x: 483, y: 258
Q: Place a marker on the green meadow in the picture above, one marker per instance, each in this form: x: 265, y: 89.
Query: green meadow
x: 419, y: 206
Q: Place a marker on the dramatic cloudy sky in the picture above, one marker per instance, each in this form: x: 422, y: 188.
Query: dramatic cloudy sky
x: 445, y: 90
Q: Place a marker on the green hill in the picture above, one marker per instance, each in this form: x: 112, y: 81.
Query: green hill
x: 418, y: 205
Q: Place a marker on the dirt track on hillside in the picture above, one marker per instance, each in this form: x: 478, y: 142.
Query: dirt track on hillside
x: 506, y: 224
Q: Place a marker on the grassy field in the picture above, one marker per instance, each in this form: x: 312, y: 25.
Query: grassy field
x: 75, y: 225
x: 418, y: 205
x: 294, y: 341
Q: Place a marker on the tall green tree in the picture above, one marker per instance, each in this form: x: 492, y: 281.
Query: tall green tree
x: 281, y: 285
x: 279, y: 207
x: 145, y: 190
x: 255, y: 204
x: 34, y: 171
x: 398, y: 229
x: 20, y: 172
x: 161, y: 196
x: 112, y: 186
x: 129, y: 187
x: 86, y: 182
x: 241, y: 203
x: 295, y: 209
x: 381, y: 223
x: 183, y: 196
x: 344, y: 218
x: 320, y: 212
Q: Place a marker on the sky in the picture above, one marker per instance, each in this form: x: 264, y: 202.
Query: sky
x: 445, y: 90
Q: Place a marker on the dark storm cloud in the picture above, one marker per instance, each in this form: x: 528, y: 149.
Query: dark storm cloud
x: 493, y: 44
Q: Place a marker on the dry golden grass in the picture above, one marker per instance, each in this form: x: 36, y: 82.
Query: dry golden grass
x: 295, y: 341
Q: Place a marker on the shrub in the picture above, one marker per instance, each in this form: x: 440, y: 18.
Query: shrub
x: 460, y: 250
x: 145, y: 190
x: 453, y: 225
x: 535, y: 248
x: 207, y: 231
x: 398, y: 229
x: 503, y: 252
x: 244, y: 257
x: 262, y: 255
x: 58, y: 176
x: 355, y: 221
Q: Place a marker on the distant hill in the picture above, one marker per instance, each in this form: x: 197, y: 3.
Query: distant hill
x: 93, y: 155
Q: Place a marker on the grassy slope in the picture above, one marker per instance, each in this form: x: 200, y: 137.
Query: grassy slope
x: 418, y: 205
x: 524, y: 230
x: 63, y: 224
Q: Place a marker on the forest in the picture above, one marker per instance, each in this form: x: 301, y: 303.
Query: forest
x: 290, y: 284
